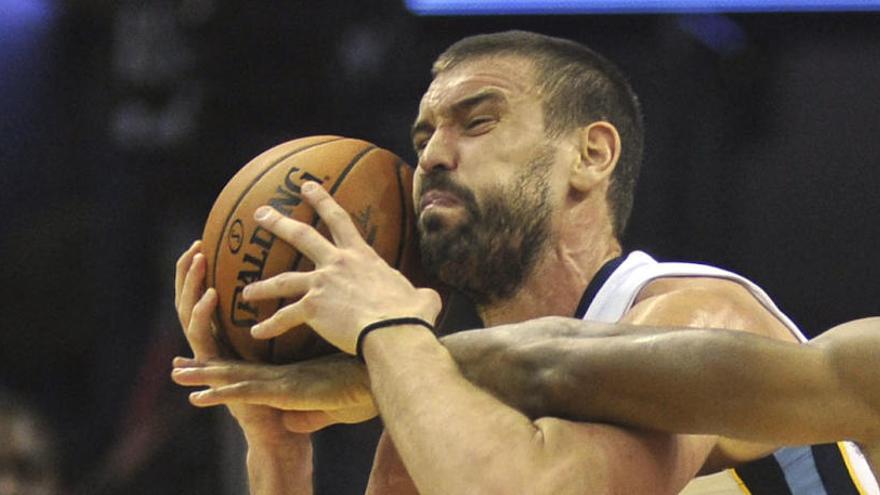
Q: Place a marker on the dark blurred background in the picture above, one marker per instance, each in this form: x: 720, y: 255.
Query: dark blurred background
x: 121, y: 120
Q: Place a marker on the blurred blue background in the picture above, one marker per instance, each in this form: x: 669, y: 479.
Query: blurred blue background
x: 496, y: 7
x: 121, y: 120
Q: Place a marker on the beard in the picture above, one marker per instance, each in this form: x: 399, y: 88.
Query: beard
x: 495, y: 248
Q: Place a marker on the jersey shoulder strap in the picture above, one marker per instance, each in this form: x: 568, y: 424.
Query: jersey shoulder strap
x: 638, y: 269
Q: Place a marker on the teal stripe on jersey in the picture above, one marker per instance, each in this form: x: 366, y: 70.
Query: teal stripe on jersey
x: 805, y: 470
x: 801, y: 473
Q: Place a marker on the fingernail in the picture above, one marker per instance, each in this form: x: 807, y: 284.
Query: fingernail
x: 246, y: 292
x: 309, y: 187
x: 195, y: 395
x: 256, y: 331
x: 262, y: 213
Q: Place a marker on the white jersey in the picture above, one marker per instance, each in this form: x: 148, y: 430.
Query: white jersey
x: 831, y: 469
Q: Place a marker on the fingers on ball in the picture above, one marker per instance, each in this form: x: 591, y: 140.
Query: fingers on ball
x: 300, y: 235
x: 284, y: 285
x: 198, y: 332
x: 283, y: 320
x: 182, y: 268
x: 189, y: 293
x: 342, y: 229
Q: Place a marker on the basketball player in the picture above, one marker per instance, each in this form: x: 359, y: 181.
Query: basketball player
x: 528, y: 151
x: 673, y: 380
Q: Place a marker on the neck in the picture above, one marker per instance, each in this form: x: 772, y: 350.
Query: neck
x: 555, y: 285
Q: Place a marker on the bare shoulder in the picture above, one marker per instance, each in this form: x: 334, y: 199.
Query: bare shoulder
x: 864, y: 331
x: 705, y: 302
x: 710, y: 285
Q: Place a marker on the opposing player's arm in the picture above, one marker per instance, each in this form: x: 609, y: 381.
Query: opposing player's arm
x: 456, y: 438
x: 696, y: 381
x: 851, y: 353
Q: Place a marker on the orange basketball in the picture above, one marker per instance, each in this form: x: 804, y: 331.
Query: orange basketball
x: 372, y: 184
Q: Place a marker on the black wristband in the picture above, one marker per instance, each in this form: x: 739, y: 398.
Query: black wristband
x: 391, y: 322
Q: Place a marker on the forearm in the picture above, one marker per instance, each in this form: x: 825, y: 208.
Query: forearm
x: 389, y: 476
x: 451, y: 435
x: 280, y: 467
x: 717, y: 378
x: 519, y: 363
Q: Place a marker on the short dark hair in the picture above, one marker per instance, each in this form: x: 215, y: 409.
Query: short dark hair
x: 579, y: 87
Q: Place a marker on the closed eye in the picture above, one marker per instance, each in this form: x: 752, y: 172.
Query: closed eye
x: 421, y: 133
x: 480, y: 124
x: 420, y: 143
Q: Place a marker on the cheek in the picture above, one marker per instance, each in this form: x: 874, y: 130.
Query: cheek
x: 506, y: 149
x: 487, y: 159
x: 560, y: 185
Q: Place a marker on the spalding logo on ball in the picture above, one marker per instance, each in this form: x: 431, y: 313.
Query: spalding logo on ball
x: 372, y: 184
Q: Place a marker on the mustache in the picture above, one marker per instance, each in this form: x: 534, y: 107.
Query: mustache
x: 441, y: 181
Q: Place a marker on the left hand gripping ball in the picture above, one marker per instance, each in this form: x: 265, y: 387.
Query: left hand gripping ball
x: 372, y: 184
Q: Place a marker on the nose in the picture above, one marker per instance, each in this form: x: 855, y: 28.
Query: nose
x: 439, y: 152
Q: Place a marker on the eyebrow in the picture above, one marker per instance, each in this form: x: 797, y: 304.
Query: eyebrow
x: 485, y: 95
x: 462, y: 106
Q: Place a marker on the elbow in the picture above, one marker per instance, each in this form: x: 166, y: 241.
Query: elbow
x: 561, y: 467
x: 538, y: 466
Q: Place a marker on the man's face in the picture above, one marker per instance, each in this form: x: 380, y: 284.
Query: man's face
x: 24, y: 465
x: 487, y: 171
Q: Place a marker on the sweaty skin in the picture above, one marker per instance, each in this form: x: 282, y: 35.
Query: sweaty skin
x: 451, y: 435
x: 817, y: 392
x: 686, y: 380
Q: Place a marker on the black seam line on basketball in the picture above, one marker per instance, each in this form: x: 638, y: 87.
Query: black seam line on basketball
x: 253, y: 182
x: 316, y: 219
x: 219, y: 311
x: 401, y: 242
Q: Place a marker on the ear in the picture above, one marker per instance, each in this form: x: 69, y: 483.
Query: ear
x: 599, y: 146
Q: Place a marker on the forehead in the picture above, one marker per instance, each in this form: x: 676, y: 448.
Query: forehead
x: 512, y: 76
